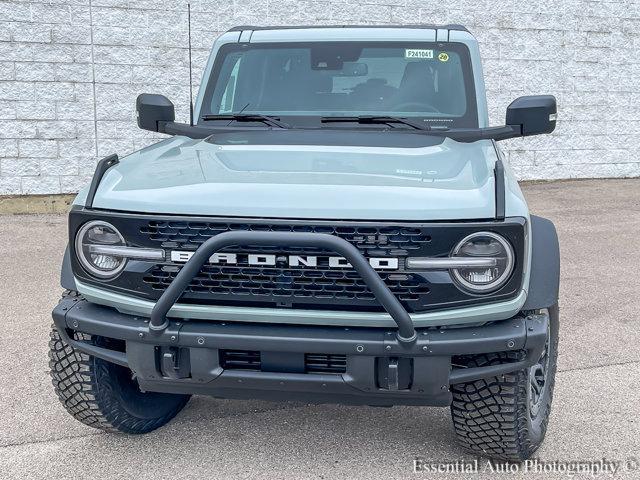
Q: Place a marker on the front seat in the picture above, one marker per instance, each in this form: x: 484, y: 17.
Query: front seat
x: 417, y: 85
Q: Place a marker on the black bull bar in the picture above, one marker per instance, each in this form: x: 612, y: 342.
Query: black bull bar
x: 406, y: 333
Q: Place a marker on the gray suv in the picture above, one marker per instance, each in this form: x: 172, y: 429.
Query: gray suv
x: 336, y: 224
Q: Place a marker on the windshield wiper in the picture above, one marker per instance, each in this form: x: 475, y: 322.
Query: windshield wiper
x: 376, y: 119
x: 464, y: 135
x: 248, y: 117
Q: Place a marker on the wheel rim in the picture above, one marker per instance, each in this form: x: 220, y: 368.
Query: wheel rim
x: 538, y: 380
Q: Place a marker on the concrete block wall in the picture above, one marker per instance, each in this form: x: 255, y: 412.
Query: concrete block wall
x: 70, y: 71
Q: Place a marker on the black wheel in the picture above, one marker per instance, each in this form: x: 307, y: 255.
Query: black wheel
x: 506, y: 417
x: 104, y: 395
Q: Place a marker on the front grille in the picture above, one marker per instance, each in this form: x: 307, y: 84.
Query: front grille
x: 313, y: 362
x: 289, y: 286
x: 283, y: 283
x: 371, y: 240
x: 240, y: 359
x: 325, y: 363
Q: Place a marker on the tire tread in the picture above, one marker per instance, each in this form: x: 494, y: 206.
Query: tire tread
x: 85, y: 387
x: 491, y: 416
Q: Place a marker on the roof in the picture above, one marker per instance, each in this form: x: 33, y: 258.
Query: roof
x: 452, y: 26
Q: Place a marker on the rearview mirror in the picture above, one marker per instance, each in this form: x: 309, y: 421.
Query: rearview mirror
x: 153, y: 109
x: 534, y: 114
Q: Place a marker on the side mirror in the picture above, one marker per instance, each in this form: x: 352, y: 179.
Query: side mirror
x: 535, y: 114
x: 153, y: 109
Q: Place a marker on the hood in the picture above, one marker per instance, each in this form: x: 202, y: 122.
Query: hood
x: 441, y: 180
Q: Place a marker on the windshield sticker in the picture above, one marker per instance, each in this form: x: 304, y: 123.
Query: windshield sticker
x: 418, y: 53
x: 443, y: 57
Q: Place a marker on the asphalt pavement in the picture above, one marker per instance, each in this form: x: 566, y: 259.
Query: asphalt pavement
x: 595, y: 414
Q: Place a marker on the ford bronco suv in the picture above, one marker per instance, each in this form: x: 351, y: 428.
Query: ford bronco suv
x: 336, y: 224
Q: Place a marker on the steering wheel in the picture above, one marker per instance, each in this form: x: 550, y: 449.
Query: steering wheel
x: 415, y: 107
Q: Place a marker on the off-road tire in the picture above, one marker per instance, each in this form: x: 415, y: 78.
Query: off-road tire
x: 104, y: 395
x: 492, y: 417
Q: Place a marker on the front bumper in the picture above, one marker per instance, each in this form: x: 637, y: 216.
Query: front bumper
x: 185, y: 357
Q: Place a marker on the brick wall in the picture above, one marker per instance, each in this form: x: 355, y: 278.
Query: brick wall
x: 70, y: 72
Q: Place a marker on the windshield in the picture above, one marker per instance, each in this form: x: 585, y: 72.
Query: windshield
x: 429, y: 81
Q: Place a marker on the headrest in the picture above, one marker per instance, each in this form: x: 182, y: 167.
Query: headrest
x: 418, y: 75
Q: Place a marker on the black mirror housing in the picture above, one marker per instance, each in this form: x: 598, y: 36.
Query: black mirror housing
x: 534, y: 114
x: 153, y: 109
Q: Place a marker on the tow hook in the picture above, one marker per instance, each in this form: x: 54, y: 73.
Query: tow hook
x: 174, y: 362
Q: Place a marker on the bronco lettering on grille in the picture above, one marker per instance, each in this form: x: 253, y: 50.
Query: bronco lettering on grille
x: 268, y: 260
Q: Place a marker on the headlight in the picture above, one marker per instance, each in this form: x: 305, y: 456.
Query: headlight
x: 495, y: 262
x: 94, y: 248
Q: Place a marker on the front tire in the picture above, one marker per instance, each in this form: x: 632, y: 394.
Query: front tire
x: 506, y: 417
x: 104, y: 395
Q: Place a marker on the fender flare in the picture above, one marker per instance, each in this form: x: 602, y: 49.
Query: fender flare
x: 67, y: 280
x: 544, y: 279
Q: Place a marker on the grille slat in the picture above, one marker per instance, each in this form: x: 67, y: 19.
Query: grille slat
x: 240, y: 360
x: 325, y: 363
x: 313, y: 362
x: 286, y: 282
x: 189, y: 235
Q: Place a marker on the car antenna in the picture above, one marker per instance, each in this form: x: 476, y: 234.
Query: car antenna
x: 190, y: 74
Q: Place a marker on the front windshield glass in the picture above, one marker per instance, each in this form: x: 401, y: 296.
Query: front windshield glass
x: 429, y: 81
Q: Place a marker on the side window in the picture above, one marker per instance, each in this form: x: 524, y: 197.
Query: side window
x: 226, y: 103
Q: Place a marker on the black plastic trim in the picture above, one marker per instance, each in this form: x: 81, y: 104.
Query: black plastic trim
x: 544, y: 281
x: 119, y: 358
x: 102, y: 167
x: 191, y: 131
x: 201, y: 342
x: 67, y: 280
x: 500, y: 193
